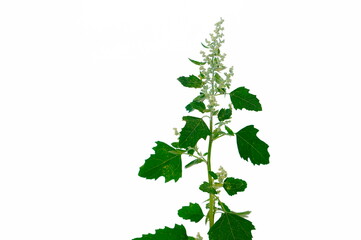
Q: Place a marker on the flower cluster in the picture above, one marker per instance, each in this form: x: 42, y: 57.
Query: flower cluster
x: 216, y: 84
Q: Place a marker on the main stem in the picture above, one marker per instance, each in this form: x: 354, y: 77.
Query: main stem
x: 210, y: 179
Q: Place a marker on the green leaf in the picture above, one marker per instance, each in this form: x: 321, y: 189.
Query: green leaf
x: 176, y: 233
x: 234, y: 185
x: 206, y: 187
x: 251, y: 147
x: 194, y: 129
x: 191, y: 81
x: 213, y: 175
x: 241, y: 98
x: 200, y: 106
x: 204, y: 45
x: 218, y: 78
x: 162, y: 163
x: 200, y: 98
x: 196, y: 62
x: 192, y: 163
x: 193, y: 212
x: 231, y: 227
x: 229, y: 131
x: 224, y: 206
x: 224, y: 114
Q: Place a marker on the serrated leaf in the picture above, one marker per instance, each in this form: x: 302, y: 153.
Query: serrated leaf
x: 176, y: 233
x: 224, y: 114
x: 229, y: 131
x: 200, y: 106
x: 194, y: 129
x: 251, y: 147
x: 242, y: 99
x: 231, y: 227
x: 213, y: 175
x: 206, y: 187
x: 196, y: 62
x: 191, y: 81
x: 234, y: 185
x: 175, y: 144
x: 193, y: 212
x: 194, y: 162
x: 162, y: 163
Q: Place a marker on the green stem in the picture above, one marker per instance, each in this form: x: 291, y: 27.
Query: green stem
x: 210, y: 179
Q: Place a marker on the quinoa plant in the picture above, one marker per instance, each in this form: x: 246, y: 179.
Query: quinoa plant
x: 212, y: 82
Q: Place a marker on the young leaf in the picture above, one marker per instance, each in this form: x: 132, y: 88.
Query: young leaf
x: 229, y: 131
x: 224, y: 114
x: 196, y: 62
x: 204, y: 45
x: 200, y: 98
x: 241, y: 98
x: 200, y: 106
x: 194, y: 129
x: 176, y: 233
x: 191, y: 81
x: 231, y: 227
x: 251, y: 147
x: 213, y: 175
x: 193, y: 212
x: 192, y: 163
x: 224, y: 206
x: 162, y: 163
x: 234, y: 185
x: 206, y: 187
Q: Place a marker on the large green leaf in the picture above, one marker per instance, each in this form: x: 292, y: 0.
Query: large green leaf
x: 231, y: 227
x: 234, y: 185
x: 176, y: 233
x: 241, y: 98
x: 193, y: 212
x: 162, y: 163
x: 251, y: 147
x: 194, y: 129
x: 191, y: 81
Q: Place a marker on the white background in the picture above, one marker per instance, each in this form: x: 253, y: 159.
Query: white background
x: 87, y: 87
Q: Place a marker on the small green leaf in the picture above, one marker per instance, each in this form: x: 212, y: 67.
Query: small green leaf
x: 231, y: 227
x: 204, y: 45
x: 234, y: 185
x: 251, y: 147
x: 162, y: 163
x: 229, y: 131
x: 213, y: 175
x: 176, y: 233
x: 200, y: 106
x: 196, y: 62
x: 206, y: 187
x: 175, y: 144
x: 193, y: 212
x: 194, y: 162
x: 218, y: 78
x: 242, y: 99
x: 191, y: 151
x: 191, y: 81
x: 200, y: 98
x: 194, y: 129
x: 224, y: 206
x: 224, y: 114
